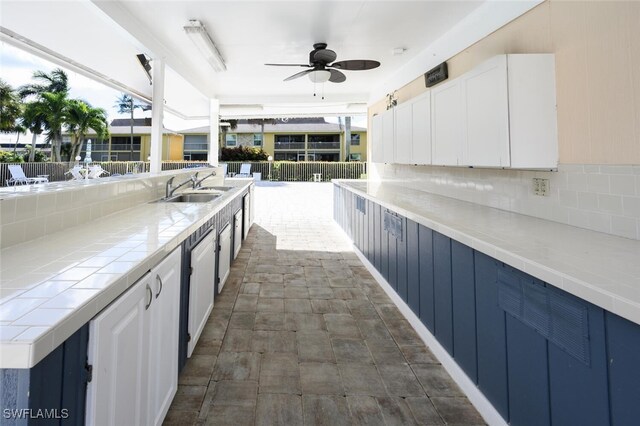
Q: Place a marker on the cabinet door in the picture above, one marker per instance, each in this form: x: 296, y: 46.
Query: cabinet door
x: 163, y: 337
x: 404, y: 133
x: 201, y: 287
x: 446, y: 124
x: 118, y: 351
x: 248, y: 211
x: 532, y: 111
x: 224, y: 256
x: 376, y: 139
x: 237, y: 233
x: 421, y: 129
x: 388, y: 136
x: 486, y: 114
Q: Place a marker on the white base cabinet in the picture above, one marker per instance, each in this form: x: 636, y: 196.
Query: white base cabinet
x: 237, y: 233
x: 201, y: 287
x: 224, y: 256
x: 133, y: 348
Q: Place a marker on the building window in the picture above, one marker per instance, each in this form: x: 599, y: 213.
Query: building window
x: 355, y: 139
x: 355, y: 157
x: 289, y: 142
x: 325, y: 141
x: 231, y: 140
x: 257, y: 139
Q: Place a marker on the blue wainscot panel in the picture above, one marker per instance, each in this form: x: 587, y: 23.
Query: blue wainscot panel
x: 427, y: 306
x: 464, y: 308
x: 442, y: 290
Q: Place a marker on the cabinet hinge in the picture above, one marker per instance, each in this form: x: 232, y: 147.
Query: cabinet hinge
x: 190, y: 270
x: 89, y: 372
x: 188, y: 337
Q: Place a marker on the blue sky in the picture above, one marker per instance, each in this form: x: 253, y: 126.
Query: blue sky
x: 17, y: 67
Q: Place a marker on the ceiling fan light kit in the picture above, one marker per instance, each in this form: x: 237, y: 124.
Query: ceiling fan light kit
x: 201, y: 38
x: 320, y: 76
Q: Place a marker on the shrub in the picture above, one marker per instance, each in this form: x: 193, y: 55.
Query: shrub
x: 38, y: 157
x: 11, y: 157
x: 243, y: 153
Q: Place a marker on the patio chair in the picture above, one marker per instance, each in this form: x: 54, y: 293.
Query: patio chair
x: 96, y: 171
x: 245, y: 170
x: 18, y: 176
x: 75, y: 173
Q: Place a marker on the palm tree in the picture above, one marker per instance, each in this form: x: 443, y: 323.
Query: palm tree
x: 10, y: 109
x: 82, y: 117
x: 125, y: 104
x: 50, y: 91
x: 55, y: 82
x: 54, y: 106
x: 33, y: 119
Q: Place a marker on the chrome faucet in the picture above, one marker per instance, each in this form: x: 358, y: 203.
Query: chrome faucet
x: 170, y: 189
x: 198, y: 182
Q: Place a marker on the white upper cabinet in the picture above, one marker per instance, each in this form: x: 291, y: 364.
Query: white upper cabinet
x: 486, y: 115
x: 421, y: 129
x: 446, y: 124
x: 533, y: 123
x: 376, y: 139
x: 413, y: 131
x: 403, y: 133
x: 502, y: 113
x: 388, y: 136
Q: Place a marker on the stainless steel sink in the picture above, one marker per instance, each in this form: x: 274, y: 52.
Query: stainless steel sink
x: 216, y: 188
x: 191, y: 198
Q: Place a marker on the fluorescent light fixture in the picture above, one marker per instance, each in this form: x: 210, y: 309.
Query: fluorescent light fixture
x: 200, y: 37
x: 320, y: 76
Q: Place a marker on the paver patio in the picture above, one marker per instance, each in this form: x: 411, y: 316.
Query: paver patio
x: 302, y: 334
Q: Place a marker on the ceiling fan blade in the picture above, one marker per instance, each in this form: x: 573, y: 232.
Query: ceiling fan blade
x: 356, y: 65
x: 289, y: 65
x: 298, y: 75
x: 324, y: 56
x: 337, y: 76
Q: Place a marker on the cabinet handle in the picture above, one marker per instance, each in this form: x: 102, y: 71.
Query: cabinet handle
x: 160, y: 289
x: 150, y: 297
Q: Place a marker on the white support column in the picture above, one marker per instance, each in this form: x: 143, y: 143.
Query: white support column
x: 214, y: 130
x: 157, y: 115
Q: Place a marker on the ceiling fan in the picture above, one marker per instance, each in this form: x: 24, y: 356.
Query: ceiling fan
x: 322, y: 68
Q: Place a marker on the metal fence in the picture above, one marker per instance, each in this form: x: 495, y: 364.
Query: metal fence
x: 291, y: 171
x: 276, y: 170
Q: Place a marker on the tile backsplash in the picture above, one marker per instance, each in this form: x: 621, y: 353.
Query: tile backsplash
x: 61, y: 205
x: 604, y: 198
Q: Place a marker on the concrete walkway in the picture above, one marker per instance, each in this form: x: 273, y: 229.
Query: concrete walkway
x: 302, y: 334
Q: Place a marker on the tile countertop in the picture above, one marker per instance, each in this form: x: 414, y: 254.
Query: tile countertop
x: 600, y: 268
x: 53, y: 285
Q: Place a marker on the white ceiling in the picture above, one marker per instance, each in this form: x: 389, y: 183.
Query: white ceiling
x: 104, y: 35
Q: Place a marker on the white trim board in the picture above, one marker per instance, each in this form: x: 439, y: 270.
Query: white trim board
x: 475, y: 396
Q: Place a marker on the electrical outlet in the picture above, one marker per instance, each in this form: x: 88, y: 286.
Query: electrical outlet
x: 541, y: 187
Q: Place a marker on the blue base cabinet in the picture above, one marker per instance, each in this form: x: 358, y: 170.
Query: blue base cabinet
x: 540, y: 355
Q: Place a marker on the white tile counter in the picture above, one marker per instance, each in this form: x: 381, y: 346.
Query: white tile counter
x: 52, y: 285
x: 600, y: 268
